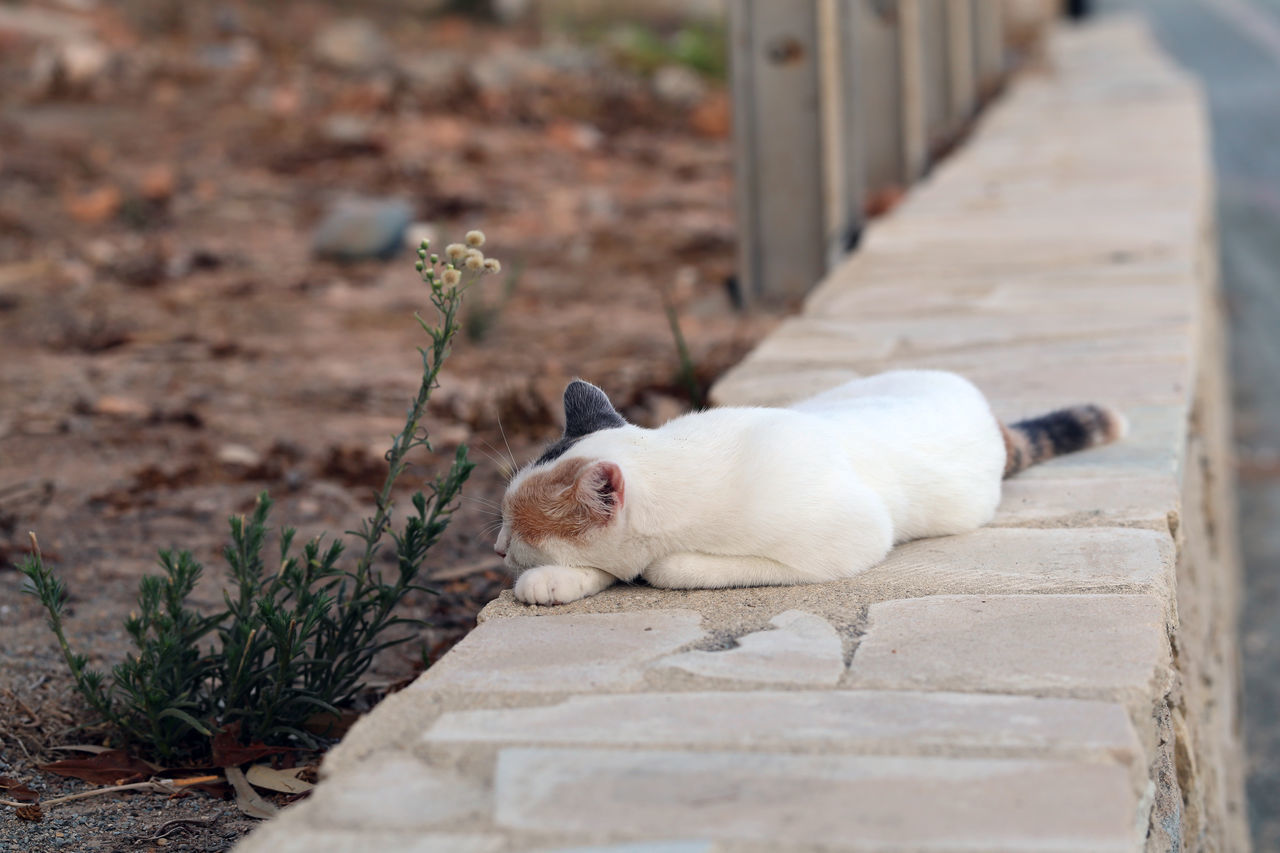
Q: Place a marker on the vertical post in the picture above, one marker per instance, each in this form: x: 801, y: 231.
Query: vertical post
x: 831, y: 113
x: 778, y: 147
x: 937, y: 96
x: 879, y: 101
x: 912, y: 79
x: 843, y: 126
x: 960, y: 55
x: 989, y: 46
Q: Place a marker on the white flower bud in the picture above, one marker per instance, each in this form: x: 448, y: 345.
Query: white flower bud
x: 451, y: 277
x: 492, y: 265
x: 475, y: 239
x: 455, y: 251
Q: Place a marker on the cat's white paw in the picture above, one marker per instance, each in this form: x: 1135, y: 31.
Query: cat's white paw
x: 559, y: 584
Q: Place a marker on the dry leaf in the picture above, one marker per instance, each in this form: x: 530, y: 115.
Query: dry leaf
x: 284, y: 781
x: 17, y: 790
x: 113, y: 767
x: 247, y: 799
x: 229, y: 752
x: 326, y: 724
x: 95, y: 206
x: 83, y: 747
x: 32, y: 812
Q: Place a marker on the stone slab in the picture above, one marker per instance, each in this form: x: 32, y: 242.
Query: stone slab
x: 1112, y: 646
x: 846, y: 721
x: 1007, y: 560
x: 753, y: 383
x: 643, y: 847
x: 1064, y: 501
x: 835, y: 801
x: 282, y: 836
x: 562, y: 653
x: 858, y: 341
x: 801, y: 649
x: 394, y: 791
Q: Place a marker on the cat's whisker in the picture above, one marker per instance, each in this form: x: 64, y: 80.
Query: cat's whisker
x: 491, y: 452
x: 503, y: 432
x: 506, y: 468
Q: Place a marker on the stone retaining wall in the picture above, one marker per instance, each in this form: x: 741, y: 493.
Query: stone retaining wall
x: 1064, y: 679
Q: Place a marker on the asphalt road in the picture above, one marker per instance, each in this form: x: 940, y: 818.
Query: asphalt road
x: 1233, y: 46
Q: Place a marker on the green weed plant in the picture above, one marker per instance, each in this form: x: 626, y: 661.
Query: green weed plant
x: 295, y: 635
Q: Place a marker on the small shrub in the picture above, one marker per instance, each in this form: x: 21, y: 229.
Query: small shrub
x: 699, y: 46
x: 296, y: 634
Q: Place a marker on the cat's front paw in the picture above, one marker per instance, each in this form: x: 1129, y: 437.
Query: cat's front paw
x: 559, y: 584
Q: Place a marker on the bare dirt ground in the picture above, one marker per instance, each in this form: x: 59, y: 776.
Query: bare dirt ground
x: 170, y: 345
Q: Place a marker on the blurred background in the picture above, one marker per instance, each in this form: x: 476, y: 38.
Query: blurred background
x: 207, y: 211
x: 207, y: 216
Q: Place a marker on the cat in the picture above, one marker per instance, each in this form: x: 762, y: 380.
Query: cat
x: 732, y: 497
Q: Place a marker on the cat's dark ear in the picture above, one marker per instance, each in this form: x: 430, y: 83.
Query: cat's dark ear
x: 587, y: 409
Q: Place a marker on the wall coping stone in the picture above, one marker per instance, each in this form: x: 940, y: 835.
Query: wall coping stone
x: 1028, y: 686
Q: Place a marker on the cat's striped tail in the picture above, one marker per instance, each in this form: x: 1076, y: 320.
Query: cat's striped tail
x: 1064, y: 431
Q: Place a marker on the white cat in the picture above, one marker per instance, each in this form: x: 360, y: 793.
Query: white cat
x: 755, y: 496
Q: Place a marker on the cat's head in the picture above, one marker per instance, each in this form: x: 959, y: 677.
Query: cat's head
x: 565, y: 507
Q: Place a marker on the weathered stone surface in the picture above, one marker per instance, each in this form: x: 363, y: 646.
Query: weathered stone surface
x: 1004, y: 560
x: 859, y: 341
x: 396, y: 792
x: 754, y: 383
x: 801, y: 649
x: 280, y: 836
x: 1088, y: 645
x: 1066, y: 501
x: 864, y: 802
x: 573, y: 653
x: 641, y: 847
x: 867, y: 288
x: 1152, y: 371
x: 899, y: 722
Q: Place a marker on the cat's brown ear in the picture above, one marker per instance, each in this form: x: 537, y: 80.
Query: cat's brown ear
x: 599, y: 490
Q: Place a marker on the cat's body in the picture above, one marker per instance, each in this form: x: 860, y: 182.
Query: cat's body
x: 755, y: 496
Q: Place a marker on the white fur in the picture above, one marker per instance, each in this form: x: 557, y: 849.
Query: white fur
x: 755, y: 496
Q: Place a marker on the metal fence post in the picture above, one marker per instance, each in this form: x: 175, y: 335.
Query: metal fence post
x: 845, y: 121
x: 778, y: 154
x: 912, y: 90
x: 933, y: 58
x: 960, y: 56
x: 989, y: 45
x: 878, y: 67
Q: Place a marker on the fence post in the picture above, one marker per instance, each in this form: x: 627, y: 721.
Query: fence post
x: 960, y: 55
x: 845, y: 124
x: 935, y: 65
x: 989, y: 46
x: 778, y: 154
x: 879, y: 105
x: 912, y: 90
